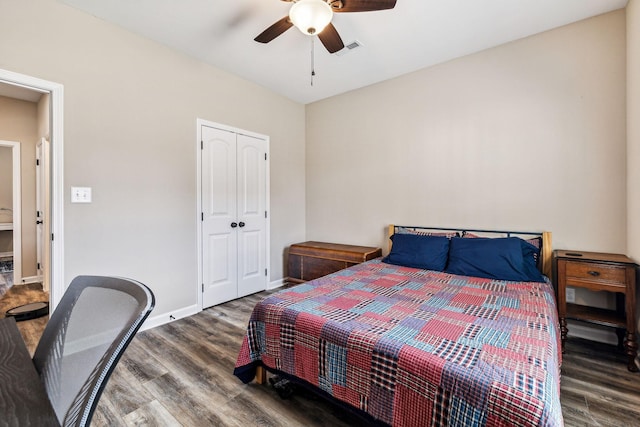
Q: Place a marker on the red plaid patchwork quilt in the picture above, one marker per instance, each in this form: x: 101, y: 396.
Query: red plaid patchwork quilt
x: 416, y: 347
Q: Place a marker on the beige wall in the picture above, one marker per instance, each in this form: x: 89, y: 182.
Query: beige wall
x: 633, y: 127
x: 530, y: 135
x: 130, y: 110
x: 633, y: 134
x: 18, y: 122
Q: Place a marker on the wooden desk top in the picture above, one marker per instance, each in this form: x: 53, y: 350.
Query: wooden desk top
x: 23, y: 399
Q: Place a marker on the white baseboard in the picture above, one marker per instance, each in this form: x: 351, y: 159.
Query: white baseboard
x: 580, y: 330
x: 593, y: 333
x: 31, y: 279
x: 276, y: 284
x: 163, y: 318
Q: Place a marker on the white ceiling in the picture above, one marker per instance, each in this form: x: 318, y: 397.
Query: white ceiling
x: 413, y: 35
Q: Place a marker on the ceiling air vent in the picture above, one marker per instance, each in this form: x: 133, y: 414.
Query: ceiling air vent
x: 349, y: 47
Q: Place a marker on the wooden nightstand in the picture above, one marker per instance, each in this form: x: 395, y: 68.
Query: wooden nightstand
x: 310, y: 260
x: 599, y: 272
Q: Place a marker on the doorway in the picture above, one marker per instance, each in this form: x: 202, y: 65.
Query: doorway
x: 14, y: 83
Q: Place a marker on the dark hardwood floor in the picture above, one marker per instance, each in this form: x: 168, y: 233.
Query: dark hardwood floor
x: 180, y: 374
x: 20, y: 295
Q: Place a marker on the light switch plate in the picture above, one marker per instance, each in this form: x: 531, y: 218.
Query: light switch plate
x: 80, y: 194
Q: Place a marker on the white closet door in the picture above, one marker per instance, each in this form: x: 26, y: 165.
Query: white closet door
x: 219, y: 238
x: 251, y: 168
x: 234, y: 224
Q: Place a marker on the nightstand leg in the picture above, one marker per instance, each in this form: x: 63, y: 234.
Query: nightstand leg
x: 563, y: 331
x: 631, y: 347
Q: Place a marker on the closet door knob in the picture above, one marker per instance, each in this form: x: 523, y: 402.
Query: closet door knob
x: 242, y: 224
x: 234, y: 225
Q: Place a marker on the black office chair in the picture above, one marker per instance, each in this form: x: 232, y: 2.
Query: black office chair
x: 87, y: 333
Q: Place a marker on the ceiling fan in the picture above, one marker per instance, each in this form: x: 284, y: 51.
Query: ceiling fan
x: 313, y: 17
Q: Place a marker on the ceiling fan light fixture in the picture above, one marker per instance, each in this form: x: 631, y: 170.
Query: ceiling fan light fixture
x: 310, y: 16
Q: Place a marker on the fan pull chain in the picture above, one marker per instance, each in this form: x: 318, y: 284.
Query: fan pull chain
x: 313, y: 67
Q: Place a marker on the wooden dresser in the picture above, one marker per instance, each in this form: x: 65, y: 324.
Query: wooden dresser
x: 310, y: 260
x: 599, y: 272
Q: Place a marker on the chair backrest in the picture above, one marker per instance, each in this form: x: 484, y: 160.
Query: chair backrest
x: 87, y: 333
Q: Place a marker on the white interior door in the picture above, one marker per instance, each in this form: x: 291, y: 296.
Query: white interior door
x: 251, y: 200
x: 219, y: 214
x: 43, y: 248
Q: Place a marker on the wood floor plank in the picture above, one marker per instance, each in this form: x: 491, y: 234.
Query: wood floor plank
x: 221, y: 347
x: 602, y: 413
x: 190, y: 363
x: 250, y: 410
x: 237, y: 312
x: 107, y: 417
x: 142, y: 365
x: 152, y: 414
x: 19, y: 295
x: 188, y: 403
x: 125, y: 389
x: 181, y: 374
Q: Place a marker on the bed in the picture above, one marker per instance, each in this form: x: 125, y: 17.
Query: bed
x: 427, y: 336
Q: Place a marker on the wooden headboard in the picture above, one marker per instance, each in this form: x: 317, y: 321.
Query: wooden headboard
x: 546, y: 252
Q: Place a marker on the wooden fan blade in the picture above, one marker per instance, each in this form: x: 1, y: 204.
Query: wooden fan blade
x: 331, y: 39
x: 275, y: 30
x: 362, y: 5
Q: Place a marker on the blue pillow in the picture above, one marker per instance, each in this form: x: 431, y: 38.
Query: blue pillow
x: 508, y: 258
x: 413, y: 250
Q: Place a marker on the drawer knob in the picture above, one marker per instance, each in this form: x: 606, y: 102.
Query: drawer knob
x: 594, y: 273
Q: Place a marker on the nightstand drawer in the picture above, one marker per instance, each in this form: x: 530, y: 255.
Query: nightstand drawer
x: 611, y: 274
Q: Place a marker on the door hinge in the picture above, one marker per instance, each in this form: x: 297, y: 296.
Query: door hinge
x: 201, y: 145
x: 265, y: 214
x: 52, y: 237
x: 265, y: 271
x: 38, y: 266
x: 203, y: 287
x: 265, y: 156
x: 201, y: 216
x: 37, y: 162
